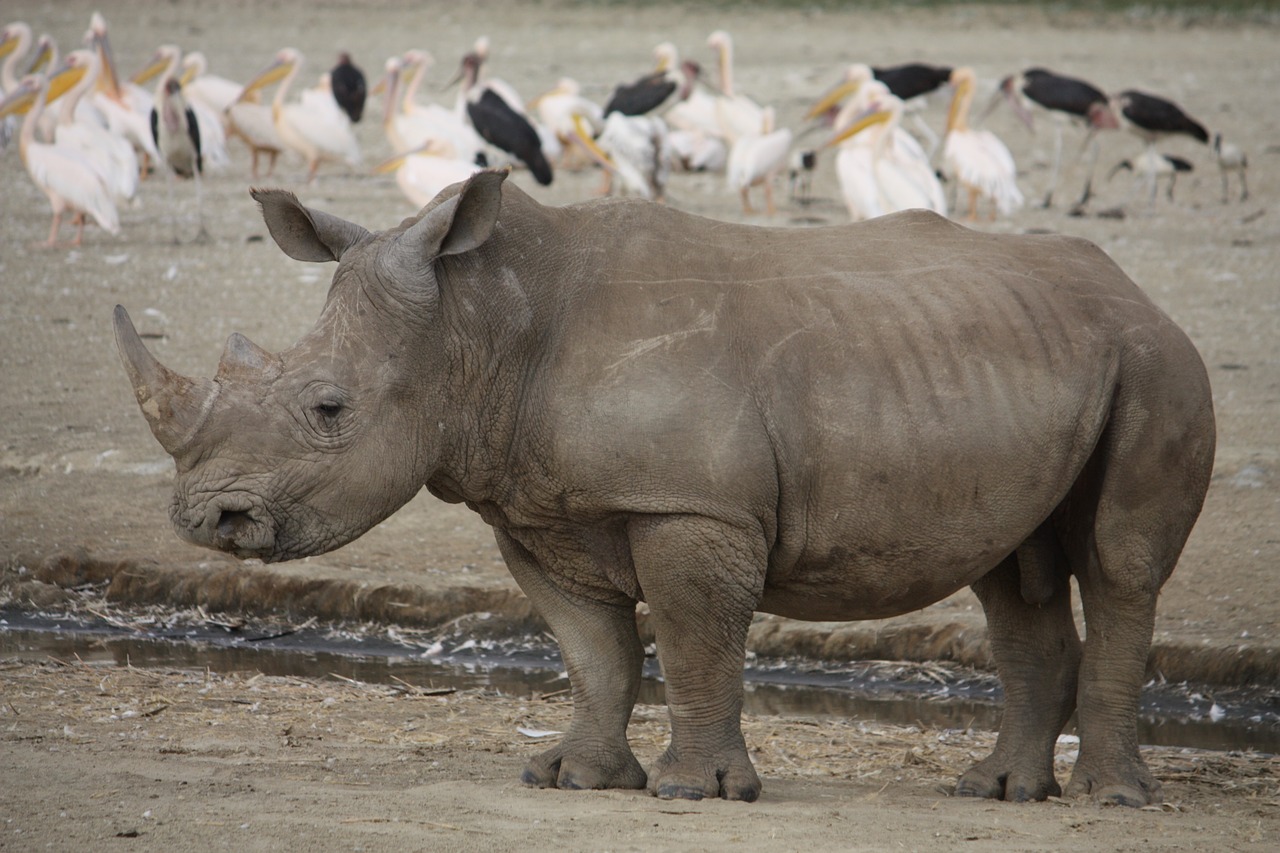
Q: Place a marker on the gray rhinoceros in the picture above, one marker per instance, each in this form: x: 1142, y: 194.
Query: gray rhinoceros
x: 830, y: 423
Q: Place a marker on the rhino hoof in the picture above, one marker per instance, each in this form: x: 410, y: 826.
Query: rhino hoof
x: 679, y: 792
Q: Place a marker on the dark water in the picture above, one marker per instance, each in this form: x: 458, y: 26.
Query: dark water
x: 1170, y: 715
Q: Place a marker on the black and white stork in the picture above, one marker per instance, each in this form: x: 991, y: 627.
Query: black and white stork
x: 349, y: 87
x: 1231, y: 158
x: 912, y: 79
x: 499, y: 122
x: 1066, y: 99
x: 1154, y: 165
x: 177, y: 138
x: 1152, y: 119
x: 669, y: 83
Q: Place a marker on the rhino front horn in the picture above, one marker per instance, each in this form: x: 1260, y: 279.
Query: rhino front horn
x: 173, y: 405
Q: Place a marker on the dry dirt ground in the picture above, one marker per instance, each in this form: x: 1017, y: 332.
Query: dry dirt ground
x: 233, y: 761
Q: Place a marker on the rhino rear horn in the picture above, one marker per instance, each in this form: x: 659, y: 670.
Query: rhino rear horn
x: 305, y: 234
x: 173, y: 405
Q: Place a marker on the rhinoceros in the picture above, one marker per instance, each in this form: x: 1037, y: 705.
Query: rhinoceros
x: 830, y: 423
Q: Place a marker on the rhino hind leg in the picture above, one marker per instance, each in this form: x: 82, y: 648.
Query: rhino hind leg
x: 603, y: 655
x: 1037, y: 653
x: 699, y: 578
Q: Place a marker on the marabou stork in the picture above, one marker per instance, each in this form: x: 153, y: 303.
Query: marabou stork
x: 177, y: 137
x: 349, y: 88
x: 166, y: 63
x: 501, y: 123
x: 1066, y: 99
x: 62, y: 174
x: 1154, y: 166
x: 669, y: 83
x: 1152, y: 118
x: 912, y: 79
x: 977, y: 159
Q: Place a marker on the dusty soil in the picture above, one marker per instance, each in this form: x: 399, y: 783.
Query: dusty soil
x: 267, y: 763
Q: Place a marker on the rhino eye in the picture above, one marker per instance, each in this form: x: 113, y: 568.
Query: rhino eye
x: 329, y: 409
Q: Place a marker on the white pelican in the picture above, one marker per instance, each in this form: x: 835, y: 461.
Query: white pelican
x: 199, y: 86
x: 127, y: 107
x: 15, y: 43
x: 755, y: 160
x: 349, y: 88
x: 166, y: 62
x: 250, y: 121
x: 65, y: 177
x: 558, y: 109
x: 317, y: 131
x: 1231, y: 158
x: 423, y: 172
x: 634, y: 149
x: 737, y: 114
x: 497, y: 114
x: 977, y: 159
x: 410, y: 125
x: 1065, y: 99
x: 111, y: 155
x: 882, y: 169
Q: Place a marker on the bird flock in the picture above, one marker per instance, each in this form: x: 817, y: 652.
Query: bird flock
x: 88, y: 137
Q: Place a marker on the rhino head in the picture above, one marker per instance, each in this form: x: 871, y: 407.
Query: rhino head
x: 285, y: 455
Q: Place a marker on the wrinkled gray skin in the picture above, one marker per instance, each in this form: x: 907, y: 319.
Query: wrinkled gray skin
x: 830, y: 424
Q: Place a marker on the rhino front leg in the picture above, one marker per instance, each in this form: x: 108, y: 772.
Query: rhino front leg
x: 1037, y: 653
x: 702, y: 580
x: 603, y: 656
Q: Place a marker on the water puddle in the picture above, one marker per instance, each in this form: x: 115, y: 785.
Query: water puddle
x: 904, y: 694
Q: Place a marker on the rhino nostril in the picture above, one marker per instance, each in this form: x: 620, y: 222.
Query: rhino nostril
x: 232, y: 522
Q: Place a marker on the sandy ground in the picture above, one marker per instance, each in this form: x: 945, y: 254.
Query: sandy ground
x: 78, y: 469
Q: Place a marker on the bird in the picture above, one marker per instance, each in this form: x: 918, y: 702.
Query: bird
x: 912, y: 79
x: 423, y: 172
x: 68, y: 180
x: 200, y: 87
x: 112, y: 156
x: 1152, y: 119
x: 497, y: 115
x: 314, y: 126
x: 251, y: 122
x: 166, y: 63
x: 880, y: 169
x: 349, y: 88
x: 657, y: 91
x: 1066, y: 99
x: 1231, y: 158
x: 636, y: 150
x: 15, y: 44
x: 755, y: 160
x: 409, y: 125
x: 127, y: 106
x: 1154, y: 166
x: 909, y: 83
x: 800, y: 168
x: 736, y: 114
x: 977, y: 159
x: 557, y: 110
x: 177, y: 136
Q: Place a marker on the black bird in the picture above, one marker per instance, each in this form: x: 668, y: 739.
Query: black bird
x: 654, y: 91
x: 499, y: 123
x: 1152, y: 118
x: 177, y: 138
x: 349, y: 87
x: 912, y: 79
x: 1065, y: 98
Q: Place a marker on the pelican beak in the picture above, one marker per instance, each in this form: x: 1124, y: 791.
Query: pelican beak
x: 43, y: 57
x: 962, y: 90
x: 833, y: 97
x: 869, y: 118
x: 19, y: 100
x: 64, y: 79
x: 188, y: 74
x: 430, y: 148
x: 273, y: 73
x: 582, y: 135
x: 158, y: 63
x: 108, y: 80
x: 8, y: 44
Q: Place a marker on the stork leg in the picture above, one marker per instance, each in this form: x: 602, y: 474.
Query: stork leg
x: 1091, y: 144
x: 1056, y: 172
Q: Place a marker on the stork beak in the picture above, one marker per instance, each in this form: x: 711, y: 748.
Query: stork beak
x: 273, y: 73
x: 833, y: 97
x: 582, y: 135
x: 869, y: 118
x: 63, y: 79
x: 158, y: 63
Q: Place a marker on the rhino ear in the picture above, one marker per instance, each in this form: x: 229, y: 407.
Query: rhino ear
x: 305, y: 234
x: 461, y: 223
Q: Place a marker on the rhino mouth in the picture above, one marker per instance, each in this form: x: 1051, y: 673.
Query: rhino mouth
x: 230, y: 523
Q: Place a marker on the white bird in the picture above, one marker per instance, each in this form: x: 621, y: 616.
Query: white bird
x: 558, y: 109
x: 497, y: 113
x: 1231, y: 158
x: 737, y: 114
x: 1150, y: 166
x: 314, y: 126
x: 200, y: 87
x: 422, y: 173
x: 633, y: 149
x: 166, y: 62
x: 112, y: 156
x: 127, y: 107
x: 977, y: 159
x: 62, y: 174
x: 15, y: 43
x: 410, y: 125
x: 755, y: 160
x: 882, y: 169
